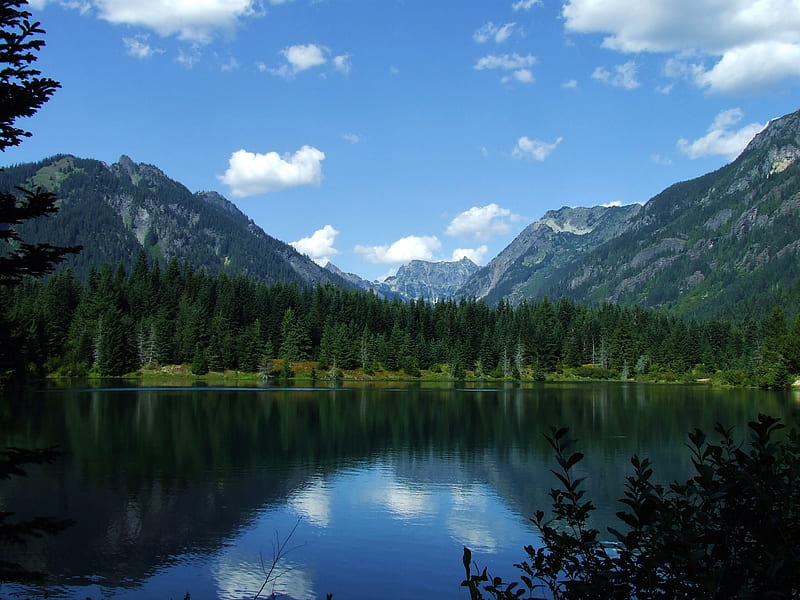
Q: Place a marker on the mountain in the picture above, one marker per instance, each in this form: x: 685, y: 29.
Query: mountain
x: 432, y: 281
x: 554, y: 242
x: 117, y: 210
x: 726, y: 243
x: 417, y: 280
x: 362, y: 284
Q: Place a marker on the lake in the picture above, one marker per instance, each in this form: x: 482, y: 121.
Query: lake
x: 374, y: 489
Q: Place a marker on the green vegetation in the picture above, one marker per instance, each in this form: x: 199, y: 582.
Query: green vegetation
x: 23, y: 93
x: 120, y: 322
x: 722, y: 244
x: 730, y: 531
x: 114, y: 211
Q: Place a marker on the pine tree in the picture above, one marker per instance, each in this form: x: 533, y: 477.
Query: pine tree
x: 199, y: 361
x: 22, y: 93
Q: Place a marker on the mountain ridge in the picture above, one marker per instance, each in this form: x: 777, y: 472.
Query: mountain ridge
x: 714, y: 244
x: 725, y: 243
x: 116, y: 210
x: 559, y: 238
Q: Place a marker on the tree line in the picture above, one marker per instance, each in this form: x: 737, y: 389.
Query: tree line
x: 118, y: 321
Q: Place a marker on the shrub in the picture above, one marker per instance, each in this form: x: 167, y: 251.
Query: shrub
x: 731, y: 531
x: 594, y: 372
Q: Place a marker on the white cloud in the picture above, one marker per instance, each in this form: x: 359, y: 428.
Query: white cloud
x: 476, y: 255
x: 527, y: 148
x: 319, y: 245
x: 250, y: 174
x: 514, y: 63
x: 188, y: 57
x: 188, y: 19
x: 490, y: 31
x: 139, y: 47
x: 570, y: 85
x: 720, y: 139
x: 753, y: 43
x: 353, y: 138
x: 525, y: 4
x: 342, y: 64
x: 481, y: 222
x: 505, y: 62
x: 229, y: 65
x: 756, y: 66
x: 623, y: 76
x: 521, y: 75
x: 658, y: 159
x: 402, y: 251
x: 82, y: 6
x: 304, y: 56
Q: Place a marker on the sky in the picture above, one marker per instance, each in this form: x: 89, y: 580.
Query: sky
x: 374, y: 132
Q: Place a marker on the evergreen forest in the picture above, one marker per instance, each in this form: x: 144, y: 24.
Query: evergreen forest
x: 120, y: 321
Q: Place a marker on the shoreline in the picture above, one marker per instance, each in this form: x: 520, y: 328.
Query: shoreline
x: 308, y: 373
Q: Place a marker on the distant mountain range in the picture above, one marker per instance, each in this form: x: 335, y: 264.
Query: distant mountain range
x: 725, y: 243
x: 117, y: 210
x: 418, y: 280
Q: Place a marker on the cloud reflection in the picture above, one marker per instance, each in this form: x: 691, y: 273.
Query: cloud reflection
x: 313, y: 502
x: 407, y: 502
x: 238, y: 578
x: 470, y: 522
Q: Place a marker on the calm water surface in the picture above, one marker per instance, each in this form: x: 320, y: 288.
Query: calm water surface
x: 177, y: 490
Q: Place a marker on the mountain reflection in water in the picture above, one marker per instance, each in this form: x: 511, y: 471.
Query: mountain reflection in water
x: 179, y: 490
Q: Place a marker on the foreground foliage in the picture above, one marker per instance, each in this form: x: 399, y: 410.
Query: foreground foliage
x: 730, y: 531
x: 117, y: 322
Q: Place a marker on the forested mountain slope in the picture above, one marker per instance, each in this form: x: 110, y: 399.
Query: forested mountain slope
x: 114, y: 211
x: 726, y: 243
x: 544, y: 248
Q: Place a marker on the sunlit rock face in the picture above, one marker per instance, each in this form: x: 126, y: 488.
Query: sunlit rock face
x: 553, y: 242
x: 424, y: 280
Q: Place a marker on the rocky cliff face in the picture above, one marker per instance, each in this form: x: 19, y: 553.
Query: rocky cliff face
x: 544, y: 248
x: 433, y: 281
x: 418, y: 280
x: 115, y: 211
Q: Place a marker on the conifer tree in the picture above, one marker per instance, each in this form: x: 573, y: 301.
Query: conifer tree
x: 22, y: 93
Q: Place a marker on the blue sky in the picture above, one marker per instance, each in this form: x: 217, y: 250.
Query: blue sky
x: 373, y: 132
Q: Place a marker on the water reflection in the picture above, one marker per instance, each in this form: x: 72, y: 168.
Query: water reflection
x: 313, y: 502
x: 184, y: 489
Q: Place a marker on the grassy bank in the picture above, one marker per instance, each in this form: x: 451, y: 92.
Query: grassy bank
x: 310, y: 373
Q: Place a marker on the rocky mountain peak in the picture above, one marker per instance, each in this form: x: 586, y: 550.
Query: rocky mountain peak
x: 220, y: 201
x: 559, y: 238
x: 771, y: 151
x: 126, y: 166
x: 421, y: 279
